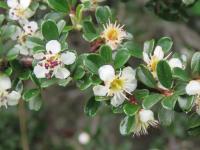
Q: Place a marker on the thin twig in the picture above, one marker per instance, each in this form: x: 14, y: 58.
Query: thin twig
x: 23, y: 127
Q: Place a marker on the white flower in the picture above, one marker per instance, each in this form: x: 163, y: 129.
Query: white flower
x: 113, y: 35
x: 21, y: 35
x: 116, y: 86
x: 19, y: 9
x: 158, y: 55
x: 84, y: 138
x: 193, y: 88
x: 7, y: 97
x: 188, y: 2
x: 143, y: 120
x: 52, y: 63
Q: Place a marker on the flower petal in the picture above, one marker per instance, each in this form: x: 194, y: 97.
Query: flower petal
x: 40, y: 71
x: 100, y: 90
x: 106, y: 73
x: 146, y: 58
x: 25, y: 3
x: 17, y: 34
x: 158, y: 52
x: 128, y: 73
x: 12, y: 3
x: 68, y: 58
x: 30, y: 27
x: 117, y: 99
x: 146, y: 115
x: 62, y: 73
x: 175, y: 62
x: 53, y: 47
x: 130, y: 86
x: 193, y: 87
x: 13, y: 98
x: 5, y: 82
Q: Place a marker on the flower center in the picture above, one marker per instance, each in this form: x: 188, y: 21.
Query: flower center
x: 52, y: 61
x: 117, y: 84
x: 153, y: 64
x: 112, y: 34
x: 19, y: 12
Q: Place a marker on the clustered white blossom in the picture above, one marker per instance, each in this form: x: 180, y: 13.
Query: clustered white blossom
x: 52, y: 62
x: 116, y: 85
x: 7, y: 96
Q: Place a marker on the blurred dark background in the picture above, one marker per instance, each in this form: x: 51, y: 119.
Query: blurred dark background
x: 61, y: 119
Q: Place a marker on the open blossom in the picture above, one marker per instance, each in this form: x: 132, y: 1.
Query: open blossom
x: 7, y: 97
x: 19, y: 9
x: 143, y: 120
x: 52, y: 63
x: 113, y: 35
x: 158, y: 55
x: 21, y: 35
x: 193, y: 88
x: 116, y: 86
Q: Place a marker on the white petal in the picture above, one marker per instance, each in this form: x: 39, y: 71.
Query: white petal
x: 31, y: 27
x: 84, y: 138
x: 53, y: 47
x: 117, y: 99
x: 62, y: 73
x: 130, y: 86
x: 146, y: 58
x: 12, y: 3
x: 13, y: 98
x: 106, y: 73
x: 5, y: 82
x: 68, y: 58
x: 40, y: 71
x: 175, y: 62
x: 39, y: 56
x: 25, y: 3
x: 158, y: 52
x: 17, y: 34
x: 146, y: 115
x: 128, y: 73
x: 24, y: 51
x: 100, y: 90
x: 193, y: 88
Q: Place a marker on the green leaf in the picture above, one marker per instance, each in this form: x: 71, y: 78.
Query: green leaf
x: 35, y: 104
x: 79, y: 73
x: 151, y: 100
x: 195, y: 64
x: 44, y: 83
x: 169, y: 102
x: 50, y: 30
x: 106, y: 53
x: 165, y: 117
x: 194, y: 121
x: 89, y: 31
x: 149, y: 46
x: 91, y: 107
x: 140, y: 94
x: 133, y: 49
x: 166, y: 44
x: 186, y: 102
x: 30, y: 94
x: 164, y: 74
x: 25, y: 74
x: 180, y: 74
x: 103, y: 14
x: 84, y: 83
x: 3, y: 5
x: 93, y: 62
x: 121, y: 58
x: 130, y: 109
x: 127, y: 125
x: 146, y: 77
x: 59, y: 5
